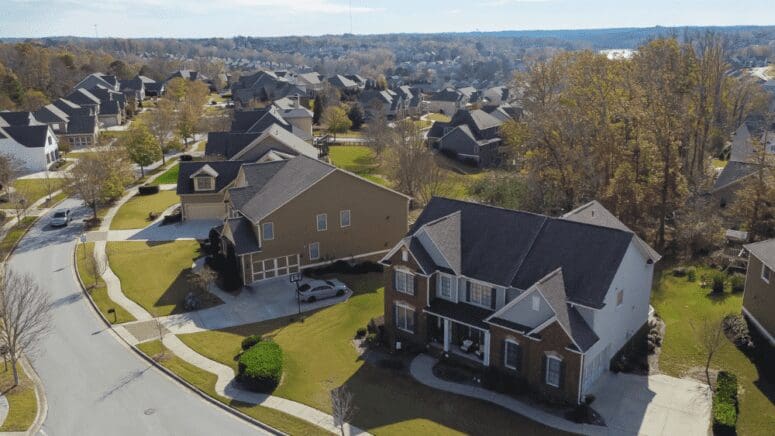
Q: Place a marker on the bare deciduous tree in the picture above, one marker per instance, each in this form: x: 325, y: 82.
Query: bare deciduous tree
x: 202, y: 279
x: 411, y: 164
x: 24, y: 314
x: 710, y: 336
x: 9, y: 170
x: 99, y: 177
x: 342, y: 407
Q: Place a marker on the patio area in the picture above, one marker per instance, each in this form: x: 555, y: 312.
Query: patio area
x: 462, y: 340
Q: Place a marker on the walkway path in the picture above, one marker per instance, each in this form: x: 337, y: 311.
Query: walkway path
x: 226, y: 385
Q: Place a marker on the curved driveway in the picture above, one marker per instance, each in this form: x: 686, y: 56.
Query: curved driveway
x: 94, y: 384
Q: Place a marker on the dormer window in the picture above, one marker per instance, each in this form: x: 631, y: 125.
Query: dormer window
x: 204, y: 183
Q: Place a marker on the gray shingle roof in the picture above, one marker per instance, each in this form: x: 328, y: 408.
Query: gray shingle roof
x: 18, y: 118
x: 245, y: 240
x: 733, y: 172
x: 28, y: 136
x: 227, y: 171
x: 51, y: 114
x: 228, y: 144
x: 516, y: 249
x: 445, y: 234
x: 764, y: 251
x: 272, y: 184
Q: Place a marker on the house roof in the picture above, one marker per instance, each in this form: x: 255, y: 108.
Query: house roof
x: 81, y: 124
x: 8, y: 118
x: 447, y: 94
x: 257, y: 120
x: 272, y: 184
x: 228, y: 144
x: 438, y: 129
x: 764, y: 251
x: 445, y: 235
x: 516, y: 249
x: 28, y: 136
x: 733, y: 172
x: 227, y: 171
x: 243, y: 236
x: 51, y: 114
x: 341, y: 81
x: 461, y: 312
x: 82, y: 96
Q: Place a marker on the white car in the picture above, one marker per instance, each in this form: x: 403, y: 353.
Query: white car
x: 61, y: 218
x: 314, y: 290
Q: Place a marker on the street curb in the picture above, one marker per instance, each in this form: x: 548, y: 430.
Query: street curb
x: 163, y: 369
x: 27, y: 230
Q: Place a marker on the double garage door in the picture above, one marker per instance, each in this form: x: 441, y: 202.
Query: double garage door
x: 279, y: 266
x: 204, y: 211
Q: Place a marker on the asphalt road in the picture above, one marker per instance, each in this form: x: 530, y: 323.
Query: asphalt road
x: 94, y: 384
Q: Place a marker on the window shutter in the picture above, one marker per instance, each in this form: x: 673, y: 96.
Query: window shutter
x: 415, y: 315
x: 414, y: 285
x: 505, y: 351
x: 395, y: 280
x: 468, y: 291
x: 543, y: 369
x: 493, y: 298
x: 395, y: 316
x: 562, y: 374
x: 518, y: 363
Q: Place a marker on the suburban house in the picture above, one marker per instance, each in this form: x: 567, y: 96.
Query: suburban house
x: 82, y: 125
x: 31, y: 143
x: 742, y: 158
x: 288, y: 215
x: 548, y: 301
x: 310, y: 81
x: 56, y: 118
x: 264, y: 86
x: 343, y: 84
x: 98, y: 79
x: 152, y: 88
x: 387, y: 102
x: 447, y: 101
x: 298, y: 116
x: 470, y: 136
x: 759, y: 294
x: 202, y: 188
x: 193, y: 76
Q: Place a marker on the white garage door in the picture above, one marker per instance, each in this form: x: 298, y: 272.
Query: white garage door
x: 280, y: 266
x: 204, y: 211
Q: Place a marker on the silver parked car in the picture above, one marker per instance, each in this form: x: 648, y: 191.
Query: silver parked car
x: 313, y: 290
x: 61, y: 218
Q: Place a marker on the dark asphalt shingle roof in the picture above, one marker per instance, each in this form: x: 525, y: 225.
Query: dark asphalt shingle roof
x: 18, y: 118
x: 516, y: 249
x: 245, y: 240
x: 462, y: 312
x: 764, y: 251
x: 733, y: 172
x: 28, y: 136
x: 51, y: 114
x: 81, y: 124
x: 257, y: 120
x: 228, y: 144
x: 227, y: 171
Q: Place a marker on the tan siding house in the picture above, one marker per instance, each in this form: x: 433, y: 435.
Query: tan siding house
x: 759, y: 296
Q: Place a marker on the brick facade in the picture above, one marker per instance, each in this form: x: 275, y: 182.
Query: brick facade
x: 417, y: 301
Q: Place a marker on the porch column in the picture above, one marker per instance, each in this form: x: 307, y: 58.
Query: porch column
x: 447, y: 334
x: 486, y: 349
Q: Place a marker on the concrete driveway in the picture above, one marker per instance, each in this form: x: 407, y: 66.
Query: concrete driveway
x: 653, y: 405
x: 270, y: 299
x: 191, y: 229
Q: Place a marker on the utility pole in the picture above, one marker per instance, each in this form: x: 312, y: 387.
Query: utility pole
x: 96, y: 35
x: 351, y: 17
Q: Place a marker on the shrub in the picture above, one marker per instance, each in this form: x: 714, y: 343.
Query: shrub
x: 691, y: 274
x: 148, y: 189
x: 372, y: 339
x: 717, y: 282
x: 261, y: 367
x: 725, y: 404
x: 361, y: 332
x: 737, y: 282
x: 186, y: 158
x: 679, y: 272
x: 499, y: 381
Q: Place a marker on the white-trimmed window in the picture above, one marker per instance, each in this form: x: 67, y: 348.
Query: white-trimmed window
x: 321, y: 220
x: 511, y: 354
x: 404, y: 255
x: 553, y: 370
x: 404, y: 318
x: 445, y: 286
x: 204, y: 183
x: 314, y: 251
x: 404, y: 282
x: 479, y: 294
x: 344, y: 218
x: 619, y: 297
x: 267, y: 231
x: 536, y: 303
x: 766, y: 273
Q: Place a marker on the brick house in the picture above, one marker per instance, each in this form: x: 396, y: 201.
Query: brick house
x: 546, y: 300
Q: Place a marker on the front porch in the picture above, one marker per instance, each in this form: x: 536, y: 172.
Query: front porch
x: 459, y: 339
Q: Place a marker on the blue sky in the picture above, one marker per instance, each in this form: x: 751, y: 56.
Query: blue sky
x: 223, y: 18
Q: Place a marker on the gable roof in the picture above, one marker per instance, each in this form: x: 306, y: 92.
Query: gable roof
x: 257, y: 120
x: 445, y: 235
x: 447, y: 94
x: 272, y: 184
x: 242, y: 235
x: 516, y: 249
x: 28, y: 136
x: 734, y: 172
x: 18, y: 118
x: 226, y: 170
x: 764, y: 251
x: 341, y: 81
x: 51, y: 114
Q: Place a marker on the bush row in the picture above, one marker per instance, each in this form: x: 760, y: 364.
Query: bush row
x: 342, y: 267
x: 725, y: 404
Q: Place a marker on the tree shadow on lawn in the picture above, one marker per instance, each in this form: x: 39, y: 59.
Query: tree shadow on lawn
x: 718, y: 297
x: 175, y: 294
x: 762, y: 356
x: 385, y: 397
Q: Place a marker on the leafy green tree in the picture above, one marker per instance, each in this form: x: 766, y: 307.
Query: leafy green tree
x: 335, y: 118
x: 141, y: 146
x: 317, y: 108
x: 355, y: 114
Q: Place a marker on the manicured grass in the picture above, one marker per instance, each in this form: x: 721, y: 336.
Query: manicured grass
x: 680, y: 304
x: 22, y: 403
x: 205, y: 381
x: 13, y: 235
x: 718, y: 163
x: 134, y: 213
x: 33, y: 190
x: 357, y: 159
x: 318, y: 355
x: 154, y: 274
x: 439, y: 117
x: 96, y: 286
x: 169, y: 177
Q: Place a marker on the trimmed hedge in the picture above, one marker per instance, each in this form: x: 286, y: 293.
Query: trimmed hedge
x: 261, y: 367
x: 717, y: 282
x: 148, y: 189
x: 725, y: 404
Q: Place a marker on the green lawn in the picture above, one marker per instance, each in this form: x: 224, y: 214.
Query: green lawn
x: 13, y: 235
x: 439, y: 117
x: 318, y: 355
x: 205, y: 381
x: 96, y: 286
x: 357, y: 159
x: 169, y: 177
x: 718, y: 163
x: 134, y: 213
x: 154, y: 274
x: 22, y: 403
x: 680, y: 304
x: 33, y: 189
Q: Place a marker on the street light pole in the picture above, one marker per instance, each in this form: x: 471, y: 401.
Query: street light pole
x: 296, y: 278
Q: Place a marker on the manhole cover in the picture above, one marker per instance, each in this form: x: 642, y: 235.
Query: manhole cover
x: 150, y: 411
